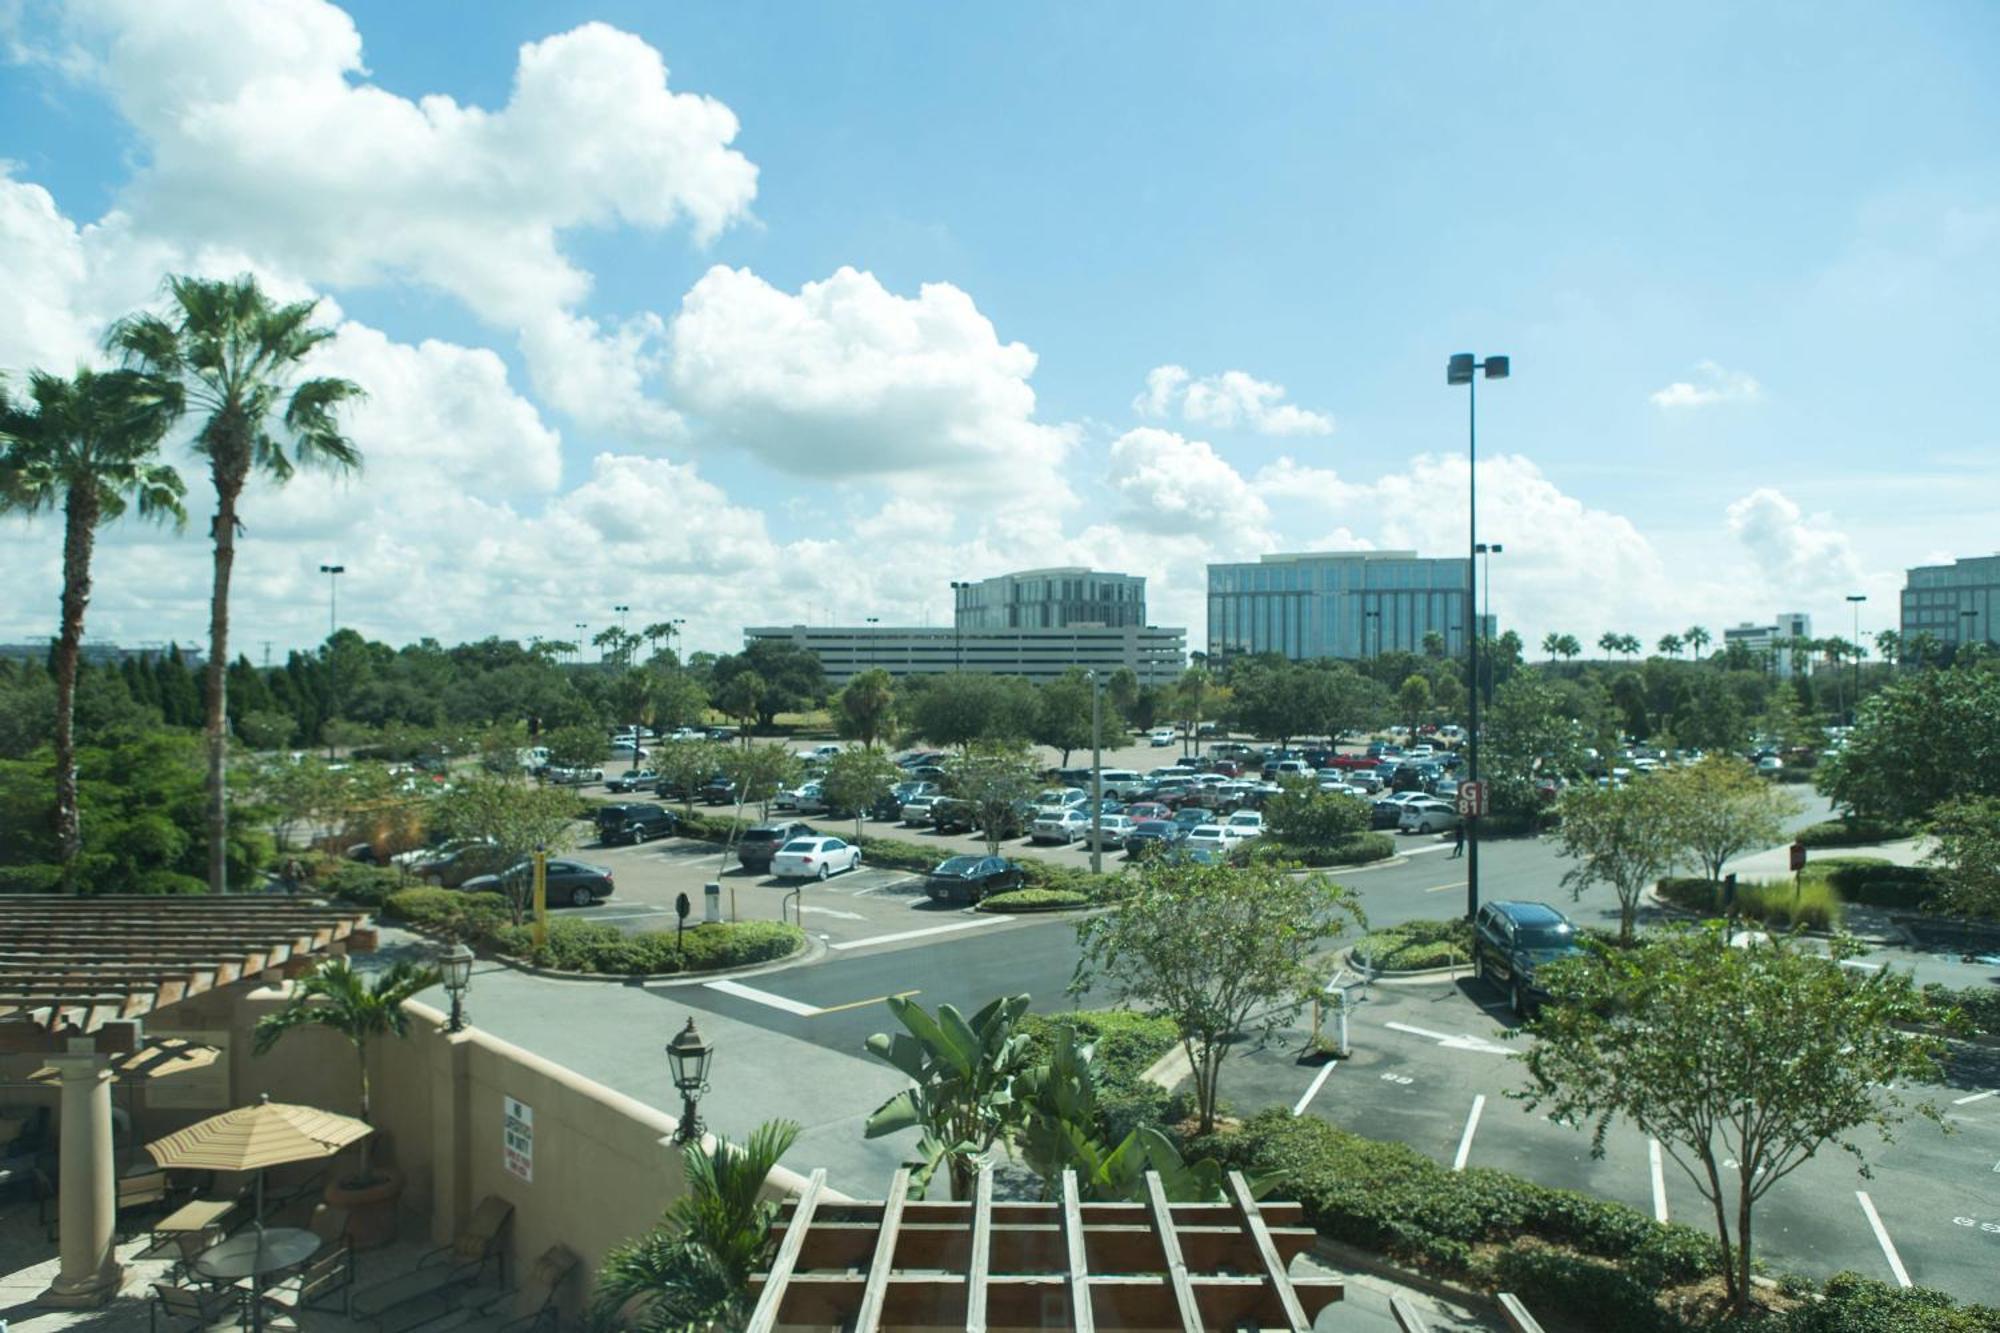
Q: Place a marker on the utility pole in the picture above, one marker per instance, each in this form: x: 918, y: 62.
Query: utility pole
x: 1460, y: 371
x: 1096, y: 775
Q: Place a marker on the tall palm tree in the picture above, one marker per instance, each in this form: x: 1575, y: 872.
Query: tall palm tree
x: 694, y: 1269
x: 1697, y: 638
x: 333, y: 995
x: 1611, y: 641
x: 91, y: 446
x: 1570, y: 648
x: 1670, y: 645
x: 237, y: 356
x: 1552, y: 644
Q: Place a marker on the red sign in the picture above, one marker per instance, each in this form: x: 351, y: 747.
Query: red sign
x: 1798, y: 856
x: 1472, y: 798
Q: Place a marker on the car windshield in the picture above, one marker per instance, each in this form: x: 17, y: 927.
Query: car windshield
x: 958, y: 865
x: 1155, y: 826
x: 801, y: 845
x: 761, y: 835
x: 1562, y: 936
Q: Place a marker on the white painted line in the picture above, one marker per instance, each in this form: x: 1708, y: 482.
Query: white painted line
x: 915, y: 934
x: 1461, y: 1042
x: 1313, y: 1091
x: 832, y: 911
x: 1976, y: 1097
x: 1465, y: 1139
x: 1659, y: 1163
x: 1882, y: 1236
x: 1860, y: 966
x: 1424, y: 851
x: 764, y: 997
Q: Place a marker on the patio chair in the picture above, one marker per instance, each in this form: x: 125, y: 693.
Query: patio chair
x: 497, y: 1314
x: 442, y: 1272
x: 191, y: 1307
x: 145, y: 1192
x: 325, y: 1283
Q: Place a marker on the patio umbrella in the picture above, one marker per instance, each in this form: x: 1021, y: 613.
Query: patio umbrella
x: 162, y: 1057
x: 255, y: 1138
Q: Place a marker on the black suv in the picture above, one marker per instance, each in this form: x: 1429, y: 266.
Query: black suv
x: 1511, y: 941
x: 760, y: 844
x: 635, y: 823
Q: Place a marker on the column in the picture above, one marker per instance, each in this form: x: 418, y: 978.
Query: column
x: 90, y: 1273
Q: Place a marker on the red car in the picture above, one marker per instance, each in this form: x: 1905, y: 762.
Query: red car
x: 1146, y: 810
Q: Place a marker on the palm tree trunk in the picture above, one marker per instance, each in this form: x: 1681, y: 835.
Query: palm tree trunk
x: 79, y: 532
x: 226, y: 489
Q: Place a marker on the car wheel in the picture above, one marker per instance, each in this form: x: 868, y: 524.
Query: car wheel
x: 581, y: 896
x: 855, y: 864
x: 824, y: 871
x: 1516, y: 1001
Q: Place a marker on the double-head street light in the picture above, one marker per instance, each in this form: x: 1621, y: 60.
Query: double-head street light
x: 689, y: 1057
x: 333, y: 573
x: 1855, y: 599
x: 1096, y: 772
x: 957, y: 637
x: 1489, y: 550
x: 624, y: 656
x: 1460, y: 370
x: 580, y: 628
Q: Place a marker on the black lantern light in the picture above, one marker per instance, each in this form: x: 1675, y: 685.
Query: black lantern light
x: 457, y: 969
x: 689, y: 1057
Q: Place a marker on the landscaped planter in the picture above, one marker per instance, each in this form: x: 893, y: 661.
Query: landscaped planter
x: 371, y: 1208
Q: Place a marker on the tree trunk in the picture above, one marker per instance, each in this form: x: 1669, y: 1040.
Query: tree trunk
x: 227, y: 489
x: 1742, y: 1282
x: 80, y: 529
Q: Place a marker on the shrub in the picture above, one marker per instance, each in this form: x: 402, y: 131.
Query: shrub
x: 1593, y: 1293
x: 351, y: 881
x: 896, y: 854
x: 1415, y: 945
x: 1850, y: 1303
x: 1853, y: 832
x: 1814, y: 904
x: 1356, y: 849
x: 1878, y: 883
x: 461, y: 916
x: 1034, y: 900
x: 593, y: 946
x: 1128, y: 1044
x: 1074, y: 879
x: 1980, y: 1006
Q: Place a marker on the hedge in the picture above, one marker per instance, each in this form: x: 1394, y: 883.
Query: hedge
x: 1128, y: 1044
x: 1034, y: 900
x: 1850, y: 1303
x: 463, y: 916
x: 593, y: 946
x: 365, y: 885
x: 1415, y: 945
x: 1979, y: 1004
x: 1815, y: 904
x: 1854, y: 832
x: 1861, y: 879
x: 1354, y: 850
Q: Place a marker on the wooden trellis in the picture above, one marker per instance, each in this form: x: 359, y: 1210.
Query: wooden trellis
x: 979, y: 1265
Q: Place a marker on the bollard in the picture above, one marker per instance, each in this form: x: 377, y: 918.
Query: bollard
x: 711, y: 895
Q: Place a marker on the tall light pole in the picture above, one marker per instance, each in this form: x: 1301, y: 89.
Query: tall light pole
x: 1855, y: 599
x: 1376, y: 616
x: 1096, y: 773
x: 1489, y: 550
x: 872, y: 622
x: 580, y: 628
x: 333, y: 573
x: 1459, y: 370
x: 624, y: 654
x: 957, y: 635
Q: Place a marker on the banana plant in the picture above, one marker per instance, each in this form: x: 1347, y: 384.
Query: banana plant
x: 964, y: 1073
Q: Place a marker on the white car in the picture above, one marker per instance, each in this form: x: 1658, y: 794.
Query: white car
x: 1220, y: 836
x: 1064, y: 826
x: 625, y: 749
x: 805, y: 796
x: 1427, y: 815
x: 1061, y: 798
x: 1112, y: 831
x: 1161, y: 738
x: 1250, y: 821
x: 814, y: 858
x: 917, y: 810
x: 819, y: 752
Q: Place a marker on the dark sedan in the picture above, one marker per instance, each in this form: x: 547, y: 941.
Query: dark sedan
x: 1151, y: 835
x: 577, y: 883
x: 970, y: 878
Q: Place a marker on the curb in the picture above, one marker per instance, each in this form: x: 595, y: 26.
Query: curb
x: 811, y: 949
x: 1342, y: 1255
x: 1651, y: 898
x: 1421, y: 974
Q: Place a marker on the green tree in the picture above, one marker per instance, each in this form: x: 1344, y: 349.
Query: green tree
x: 516, y: 820
x: 1670, y: 645
x: 760, y: 773
x: 1062, y: 715
x: 1696, y: 639
x: 1622, y: 836
x: 1433, y: 644
x: 1610, y: 642
x: 963, y: 1072
x: 1743, y: 1063
x: 865, y: 708
x: 684, y: 766
x: 580, y: 746
x: 1569, y: 648
x: 1301, y: 815
x: 89, y: 446
x: 1121, y: 689
x: 1966, y: 851
x: 1552, y: 644
x: 1721, y: 809
x: 1889, y: 766
x: 791, y: 677
x: 966, y: 706
x: 268, y: 729
x: 693, y: 1270
x: 995, y: 777
x: 1193, y: 695
x: 1413, y: 700
x: 1223, y: 952
x: 676, y: 699
x: 1528, y: 735
x: 856, y: 780
x: 236, y: 355
x: 741, y: 698
x: 334, y: 995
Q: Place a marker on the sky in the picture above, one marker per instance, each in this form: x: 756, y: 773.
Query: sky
x: 771, y: 313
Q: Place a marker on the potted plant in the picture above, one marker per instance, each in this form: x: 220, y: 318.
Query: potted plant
x: 333, y: 995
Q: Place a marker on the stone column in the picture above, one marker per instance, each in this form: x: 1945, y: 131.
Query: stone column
x: 90, y: 1273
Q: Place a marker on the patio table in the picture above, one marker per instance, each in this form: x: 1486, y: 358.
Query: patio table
x: 255, y: 1254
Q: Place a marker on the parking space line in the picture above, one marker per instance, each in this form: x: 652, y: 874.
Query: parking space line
x: 764, y: 997
x: 1976, y: 1097
x: 915, y: 934
x: 1882, y: 1236
x: 1465, y: 1139
x: 876, y: 999
x: 1659, y: 1164
x: 1317, y: 1084
x: 1440, y: 888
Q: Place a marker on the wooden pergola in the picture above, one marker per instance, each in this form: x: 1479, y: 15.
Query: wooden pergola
x: 980, y: 1265
x: 87, y: 966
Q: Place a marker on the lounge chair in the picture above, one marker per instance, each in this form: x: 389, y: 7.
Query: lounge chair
x: 499, y: 1313
x: 145, y: 1192
x: 326, y: 1282
x: 441, y: 1273
x: 194, y: 1307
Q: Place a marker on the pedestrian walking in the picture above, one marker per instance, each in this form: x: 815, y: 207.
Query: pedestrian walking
x: 1458, y: 841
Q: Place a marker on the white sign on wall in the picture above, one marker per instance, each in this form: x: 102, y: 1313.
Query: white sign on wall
x: 517, y: 1140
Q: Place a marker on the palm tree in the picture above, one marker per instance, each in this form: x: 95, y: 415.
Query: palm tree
x: 1611, y: 642
x: 236, y: 355
x: 1697, y: 639
x: 1628, y: 644
x: 1670, y: 645
x: 1889, y: 645
x: 693, y: 1270
x: 1552, y: 644
x: 333, y: 995
x: 1570, y: 648
x: 91, y: 446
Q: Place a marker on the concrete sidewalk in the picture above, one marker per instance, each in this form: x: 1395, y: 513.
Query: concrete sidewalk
x: 1775, y: 862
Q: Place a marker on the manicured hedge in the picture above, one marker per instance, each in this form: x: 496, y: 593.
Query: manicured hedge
x: 1980, y: 1006
x: 1863, y: 879
x: 366, y: 885
x: 592, y: 946
x: 1354, y: 850
x: 1128, y: 1044
x: 463, y: 916
x: 1034, y: 900
x: 1815, y: 905
x: 1414, y: 945
x: 1853, y: 832
x: 1850, y: 1303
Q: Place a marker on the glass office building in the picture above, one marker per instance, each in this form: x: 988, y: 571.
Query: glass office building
x: 1051, y: 599
x: 1953, y: 603
x: 1350, y: 604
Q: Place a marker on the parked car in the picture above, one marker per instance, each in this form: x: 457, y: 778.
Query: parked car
x: 626, y: 749
x: 1429, y: 815
x: 760, y: 844
x: 1216, y: 835
x: 635, y: 823
x: 972, y: 877
x: 1161, y: 738
x: 1064, y: 826
x: 806, y: 798
x: 916, y: 811
x: 1143, y: 810
x: 1251, y: 822
x: 952, y: 814
x: 1121, y: 783
x: 632, y: 779
x: 451, y: 865
x: 1150, y: 836
x: 1062, y: 798
x: 1113, y: 830
x: 718, y: 790
x: 1512, y: 941
x: 573, y: 777
x: 1191, y: 817
x: 577, y: 883
x: 815, y: 858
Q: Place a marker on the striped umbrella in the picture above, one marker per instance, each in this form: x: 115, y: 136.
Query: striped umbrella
x: 253, y: 1138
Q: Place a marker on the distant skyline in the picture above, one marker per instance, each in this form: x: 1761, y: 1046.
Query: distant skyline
x: 759, y: 314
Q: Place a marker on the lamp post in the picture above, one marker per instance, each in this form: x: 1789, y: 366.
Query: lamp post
x: 624, y: 655
x: 1459, y: 370
x: 457, y: 969
x: 580, y: 628
x: 333, y: 573
x: 1965, y: 619
x: 1855, y: 599
x: 1366, y: 616
x: 957, y: 637
x: 689, y: 1056
x: 872, y: 621
x: 1489, y: 550
x: 1096, y: 773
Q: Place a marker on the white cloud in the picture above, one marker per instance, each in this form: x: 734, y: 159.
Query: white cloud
x: 1795, y: 556
x: 1227, y: 401
x: 848, y: 379
x: 1713, y: 384
x: 1171, y: 484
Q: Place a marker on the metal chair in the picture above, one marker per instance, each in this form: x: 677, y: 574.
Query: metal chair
x: 197, y: 1307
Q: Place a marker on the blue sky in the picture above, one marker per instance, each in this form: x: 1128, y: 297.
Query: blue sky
x: 1791, y: 211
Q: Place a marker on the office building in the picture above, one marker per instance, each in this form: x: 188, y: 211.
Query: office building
x: 1051, y: 599
x: 1350, y: 604
x: 1953, y: 603
x: 1157, y: 656
x: 1775, y: 642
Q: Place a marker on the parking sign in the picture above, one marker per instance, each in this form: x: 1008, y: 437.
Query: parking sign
x: 1472, y: 798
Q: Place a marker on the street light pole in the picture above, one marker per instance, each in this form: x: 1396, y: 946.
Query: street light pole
x: 333, y: 573
x: 1489, y: 550
x: 624, y: 654
x: 1096, y: 775
x: 957, y: 634
x: 1459, y: 370
x: 1855, y: 599
x: 580, y: 628
x: 872, y: 621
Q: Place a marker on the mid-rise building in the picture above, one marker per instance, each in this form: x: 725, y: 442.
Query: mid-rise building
x: 1157, y: 656
x: 1953, y: 603
x: 1350, y: 604
x: 1050, y: 599
x: 1776, y: 642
